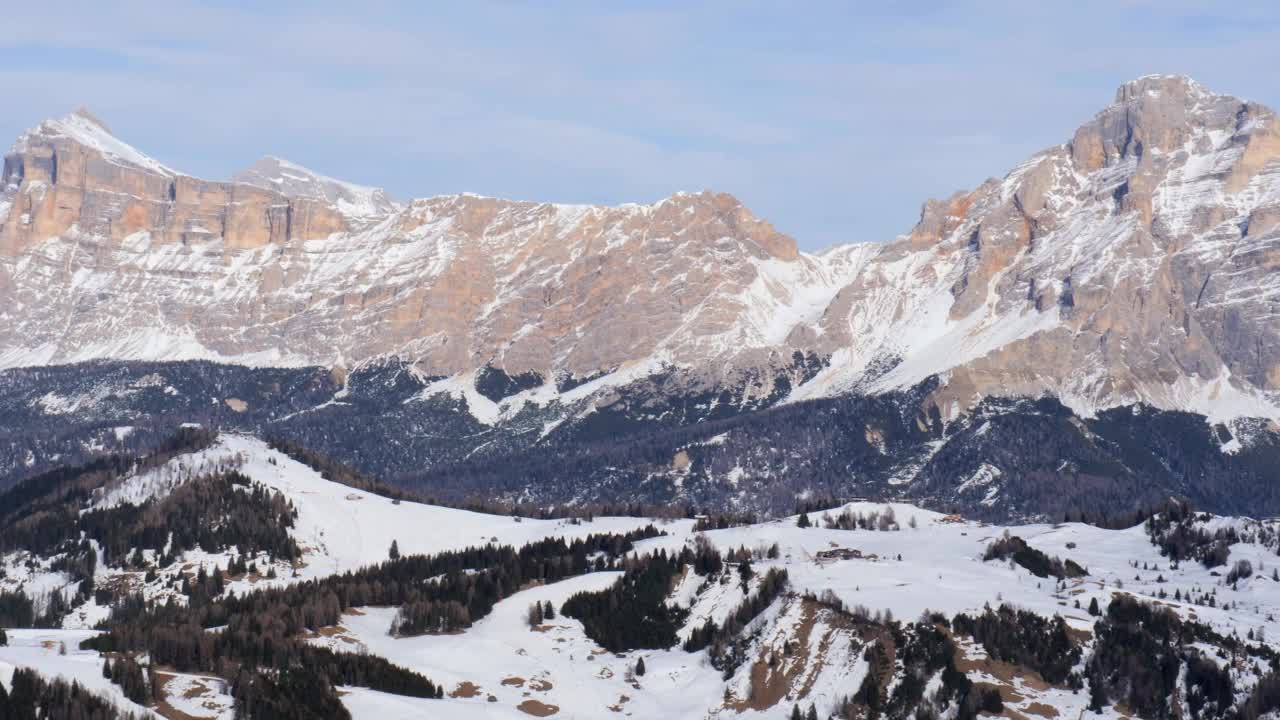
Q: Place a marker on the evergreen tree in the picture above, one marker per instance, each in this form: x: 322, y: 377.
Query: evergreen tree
x: 395, y: 550
x: 1093, y: 607
x: 803, y: 521
x: 4, y: 639
x: 795, y: 713
x: 106, y: 668
x: 640, y: 667
x: 548, y: 611
x: 744, y: 574
x: 1097, y: 695
x: 812, y: 714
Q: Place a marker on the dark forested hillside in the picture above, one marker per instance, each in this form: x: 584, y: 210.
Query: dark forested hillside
x: 660, y: 442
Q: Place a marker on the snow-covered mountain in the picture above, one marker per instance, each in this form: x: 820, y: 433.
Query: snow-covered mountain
x: 1134, y: 263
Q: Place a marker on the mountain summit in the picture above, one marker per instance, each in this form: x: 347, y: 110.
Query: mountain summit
x: 291, y: 180
x: 1135, y: 262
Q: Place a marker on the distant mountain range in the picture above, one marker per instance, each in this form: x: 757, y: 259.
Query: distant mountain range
x: 1130, y: 272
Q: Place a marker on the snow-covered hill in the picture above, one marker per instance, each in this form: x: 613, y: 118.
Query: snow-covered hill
x: 802, y: 649
x: 338, y: 528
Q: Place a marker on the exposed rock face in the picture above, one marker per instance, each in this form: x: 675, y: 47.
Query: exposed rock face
x: 317, y: 271
x: 1136, y: 262
x: 72, y: 178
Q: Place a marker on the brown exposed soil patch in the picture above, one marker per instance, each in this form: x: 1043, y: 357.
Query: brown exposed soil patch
x: 1011, y: 681
x: 198, y: 688
x: 465, y: 689
x: 337, y: 632
x: 1041, y: 710
x: 1079, y: 636
x: 513, y: 681
x: 1003, y: 671
x: 538, y: 709
x: 622, y: 700
x: 540, y: 685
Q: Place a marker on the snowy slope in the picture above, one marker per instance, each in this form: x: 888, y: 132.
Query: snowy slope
x: 42, y: 650
x: 338, y: 528
x: 931, y: 562
x: 941, y: 570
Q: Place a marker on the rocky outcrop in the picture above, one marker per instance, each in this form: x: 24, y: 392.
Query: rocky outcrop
x: 1135, y: 263
x: 71, y: 176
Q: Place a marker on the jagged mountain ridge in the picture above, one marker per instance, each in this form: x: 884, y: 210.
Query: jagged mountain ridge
x: 1134, y: 263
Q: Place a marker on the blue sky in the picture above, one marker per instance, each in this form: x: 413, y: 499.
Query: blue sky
x: 833, y: 120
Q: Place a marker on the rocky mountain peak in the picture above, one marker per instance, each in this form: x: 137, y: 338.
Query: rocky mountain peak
x: 82, y: 133
x: 82, y: 113
x: 1164, y: 87
x: 293, y: 180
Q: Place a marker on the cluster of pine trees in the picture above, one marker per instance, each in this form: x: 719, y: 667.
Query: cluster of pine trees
x: 1141, y: 650
x: 633, y: 614
x: 1176, y: 533
x: 1024, y: 638
x: 132, y: 679
x: 213, y: 513
x: 882, y: 520
x: 418, y: 616
x: 1036, y: 562
x: 32, y: 697
x: 539, y: 613
x: 17, y: 610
